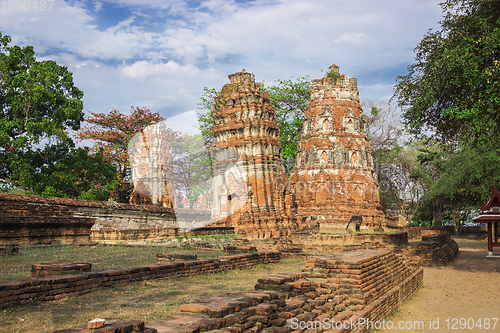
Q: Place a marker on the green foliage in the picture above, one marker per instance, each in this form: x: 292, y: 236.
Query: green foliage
x: 453, y: 88
x: 191, y: 165
x: 375, y: 111
x: 333, y: 75
x: 75, y: 174
x: 290, y: 98
x: 424, y: 212
x: 468, y: 174
x: 39, y: 104
x: 50, y: 191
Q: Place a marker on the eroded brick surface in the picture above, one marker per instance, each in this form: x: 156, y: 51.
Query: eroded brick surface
x: 59, y: 268
x: 334, y: 177
x: 249, y: 189
x: 334, y: 288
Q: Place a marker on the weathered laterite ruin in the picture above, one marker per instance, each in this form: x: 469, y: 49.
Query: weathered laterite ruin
x: 250, y: 191
x: 152, y: 168
x: 332, y: 187
x: 334, y: 178
x: 358, y: 277
x: 333, y: 181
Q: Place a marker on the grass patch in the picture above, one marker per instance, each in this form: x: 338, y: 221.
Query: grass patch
x: 18, y: 266
x: 147, y: 301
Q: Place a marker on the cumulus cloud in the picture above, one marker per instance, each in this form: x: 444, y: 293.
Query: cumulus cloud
x: 142, y: 69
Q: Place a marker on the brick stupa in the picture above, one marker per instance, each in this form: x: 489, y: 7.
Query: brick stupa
x: 250, y: 191
x: 151, y: 165
x: 334, y: 177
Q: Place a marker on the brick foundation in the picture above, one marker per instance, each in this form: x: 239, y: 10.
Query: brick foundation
x: 59, y: 268
x: 55, y: 287
x: 435, y: 249
x: 365, y: 284
x: 35, y: 220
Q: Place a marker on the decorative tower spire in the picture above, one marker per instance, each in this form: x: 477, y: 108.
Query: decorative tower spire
x: 334, y: 177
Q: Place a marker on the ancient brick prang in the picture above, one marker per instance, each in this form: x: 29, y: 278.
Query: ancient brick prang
x: 151, y: 164
x: 334, y: 178
x: 249, y: 188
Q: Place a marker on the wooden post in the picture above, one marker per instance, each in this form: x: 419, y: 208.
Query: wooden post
x: 490, y: 239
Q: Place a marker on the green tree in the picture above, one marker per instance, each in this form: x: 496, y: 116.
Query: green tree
x: 290, y: 98
x: 453, y: 88
x: 112, y: 133
x: 77, y: 175
x: 466, y: 176
x: 39, y: 106
x: 191, y: 165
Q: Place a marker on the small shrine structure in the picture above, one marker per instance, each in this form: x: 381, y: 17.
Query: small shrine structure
x: 490, y: 214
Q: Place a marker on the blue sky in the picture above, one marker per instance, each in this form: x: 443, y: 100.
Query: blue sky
x: 160, y: 54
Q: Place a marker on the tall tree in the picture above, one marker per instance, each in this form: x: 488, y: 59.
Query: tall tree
x: 39, y: 104
x: 453, y: 88
x: 464, y: 176
x: 112, y: 133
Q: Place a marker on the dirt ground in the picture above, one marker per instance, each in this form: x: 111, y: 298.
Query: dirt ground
x: 464, y: 296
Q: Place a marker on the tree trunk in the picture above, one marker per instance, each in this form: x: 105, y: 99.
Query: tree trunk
x: 437, y: 211
x: 456, y: 221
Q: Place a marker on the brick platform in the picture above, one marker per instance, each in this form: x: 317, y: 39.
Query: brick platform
x: 59, y: 268
x: 435, y: 249
x: 54, y: 287
x: 336, y: 289
x: 362, y: 284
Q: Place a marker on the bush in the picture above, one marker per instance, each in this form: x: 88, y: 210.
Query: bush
x: 50, y: 191
x: 98, y: 193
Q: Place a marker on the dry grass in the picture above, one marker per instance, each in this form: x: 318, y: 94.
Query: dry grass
x: 18, y: 267
x: 145, y: 301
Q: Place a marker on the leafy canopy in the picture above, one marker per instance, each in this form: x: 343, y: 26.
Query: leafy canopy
x: 39, y: 104
x: 453, y: 88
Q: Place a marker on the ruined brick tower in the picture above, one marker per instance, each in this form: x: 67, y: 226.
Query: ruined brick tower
x: 334, y: 177
x: 249, y: 189
x: 151, y: 165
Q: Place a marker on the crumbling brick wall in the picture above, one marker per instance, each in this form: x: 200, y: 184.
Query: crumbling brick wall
x: 55, y: 287
x: 336, y: 293
x: 30, y: 220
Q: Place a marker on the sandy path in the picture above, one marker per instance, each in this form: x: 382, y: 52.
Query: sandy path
x: 469, y: 287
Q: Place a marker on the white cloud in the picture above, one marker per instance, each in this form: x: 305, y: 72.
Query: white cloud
x: 142, y: 69
x: 351, y: 38
x: 185, y: 122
